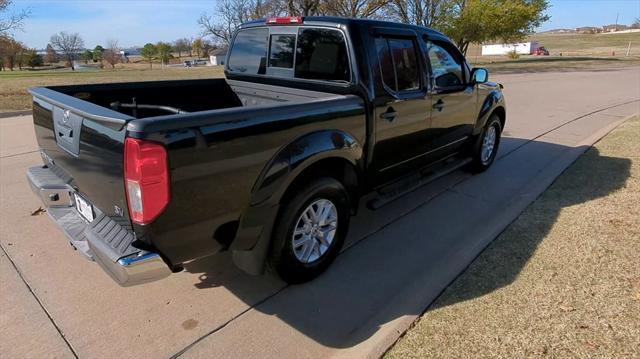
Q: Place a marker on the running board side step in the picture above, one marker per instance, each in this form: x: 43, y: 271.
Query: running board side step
x: 409, y: 184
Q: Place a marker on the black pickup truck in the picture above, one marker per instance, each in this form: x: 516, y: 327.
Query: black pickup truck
x: 270, y: 162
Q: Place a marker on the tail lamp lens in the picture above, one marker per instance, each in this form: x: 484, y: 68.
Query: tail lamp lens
x: 146, y: 176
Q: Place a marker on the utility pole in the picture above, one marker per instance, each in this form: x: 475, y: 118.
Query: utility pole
x: 617, y: 15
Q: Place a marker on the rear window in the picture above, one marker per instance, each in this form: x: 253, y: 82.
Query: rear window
x: 249, y: 52
x: 311, y: 53
x: 281, y: 51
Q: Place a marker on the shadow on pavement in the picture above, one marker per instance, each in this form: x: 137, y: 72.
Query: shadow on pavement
x: 413, y: 257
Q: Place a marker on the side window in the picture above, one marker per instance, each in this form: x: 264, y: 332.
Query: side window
x: 446, y: 68
x: 398, y: 64
x: 386, y: 63
x: 404, y: 59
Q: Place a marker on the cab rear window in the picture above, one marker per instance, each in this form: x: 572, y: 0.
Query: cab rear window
x: 309, y: 53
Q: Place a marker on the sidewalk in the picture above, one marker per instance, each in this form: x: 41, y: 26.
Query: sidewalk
x: 577, y: 293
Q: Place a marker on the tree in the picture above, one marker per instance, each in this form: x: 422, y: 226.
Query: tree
x: 68, y: 44
x: 163, y: 52
x: 10, y: 51
x: 112, y: 54
x: 197, y: 46
x: 148, y: 53
x: 31, y: 58
x: 98, y: 53
x: 13, y: 21
x: 478, y: 21
x: 303, y: 7
x: 182, y: 45
x: 353, y: 8
x: 51, y: 56
x: 207, y: 46
x: 636, y: 23
x: 429, y: 13
x: 231, y: 13
x: 87, y: 56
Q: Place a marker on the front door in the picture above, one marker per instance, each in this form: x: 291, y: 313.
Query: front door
x: 402, y: 108
x: 453, y: 97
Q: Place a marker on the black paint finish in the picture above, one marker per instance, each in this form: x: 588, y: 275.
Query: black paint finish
x: 231, y: 162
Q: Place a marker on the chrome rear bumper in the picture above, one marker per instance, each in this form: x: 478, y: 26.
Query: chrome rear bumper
x: 105, y: 240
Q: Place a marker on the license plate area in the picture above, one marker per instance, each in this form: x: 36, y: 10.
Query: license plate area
x: 84, y: 207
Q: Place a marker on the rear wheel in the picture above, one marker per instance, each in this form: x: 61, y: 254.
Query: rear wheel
x: 486, y: 146
x: 310, y: 230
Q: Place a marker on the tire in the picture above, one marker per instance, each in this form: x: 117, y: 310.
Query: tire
x: 480, y: 160
x: 298, y: 263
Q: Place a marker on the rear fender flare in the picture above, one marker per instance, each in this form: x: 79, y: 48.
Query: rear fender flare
x: 300, y: 154
x: 254, y: 231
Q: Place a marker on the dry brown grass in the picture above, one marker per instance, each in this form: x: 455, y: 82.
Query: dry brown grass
x: 576, y: 289
x: 14, y: 84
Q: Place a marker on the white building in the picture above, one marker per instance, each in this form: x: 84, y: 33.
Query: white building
x: 217, y: 56
x: 523, y: 48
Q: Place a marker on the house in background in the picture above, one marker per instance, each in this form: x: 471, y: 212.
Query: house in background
x: 524, y: 48
x: 132, y: 51
x: 218, y: 56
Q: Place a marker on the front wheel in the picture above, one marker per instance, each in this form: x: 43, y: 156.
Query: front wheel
x: 485, y: 148
x: 310, y: 230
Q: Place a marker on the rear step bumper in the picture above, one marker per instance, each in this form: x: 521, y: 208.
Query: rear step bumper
x: 104, y: 240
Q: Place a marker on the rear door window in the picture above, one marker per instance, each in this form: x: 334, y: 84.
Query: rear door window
x: 398, y: 64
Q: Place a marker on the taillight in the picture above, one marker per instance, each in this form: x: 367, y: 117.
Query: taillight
x: 283, y: 20
x: 146, y: 177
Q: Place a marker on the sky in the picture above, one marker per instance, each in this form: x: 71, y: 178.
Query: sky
x: 136, y: 22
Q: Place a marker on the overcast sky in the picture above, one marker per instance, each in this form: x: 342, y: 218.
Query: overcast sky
x: 136, y: 22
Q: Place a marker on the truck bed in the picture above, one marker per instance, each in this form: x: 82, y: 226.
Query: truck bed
x: 183, y: 96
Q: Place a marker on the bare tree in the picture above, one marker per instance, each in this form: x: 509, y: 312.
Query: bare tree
x: 231, y: 14
x: 10, y: 51
x: 112, y: 54
x: 68, y: 44
x: 13, y: 21
x: 429, y: 13
x: 51, y: 56
x: 354, y: 8
x: 181, y: 45
x: 303, y: 7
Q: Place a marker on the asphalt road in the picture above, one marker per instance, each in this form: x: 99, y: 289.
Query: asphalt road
x: 54, y: 303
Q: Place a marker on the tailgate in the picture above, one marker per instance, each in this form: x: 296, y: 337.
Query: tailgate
x: 84, y: 143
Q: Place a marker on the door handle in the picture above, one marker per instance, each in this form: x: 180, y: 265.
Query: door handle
x: 389, y: 115
x: 439, y: 105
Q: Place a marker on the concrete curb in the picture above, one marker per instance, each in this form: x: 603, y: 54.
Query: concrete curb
x: 15, y: 113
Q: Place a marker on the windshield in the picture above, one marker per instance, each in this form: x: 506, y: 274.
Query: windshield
x: 308, y: 53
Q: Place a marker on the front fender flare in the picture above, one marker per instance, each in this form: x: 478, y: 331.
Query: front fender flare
x: 493, y: 100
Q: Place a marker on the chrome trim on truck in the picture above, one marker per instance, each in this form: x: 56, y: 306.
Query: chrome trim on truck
x: 135, y: 266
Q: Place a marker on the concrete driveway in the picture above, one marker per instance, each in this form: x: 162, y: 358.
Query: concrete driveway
x: 397, y: 259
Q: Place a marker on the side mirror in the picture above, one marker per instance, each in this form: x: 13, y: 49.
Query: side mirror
x: 479, y: 75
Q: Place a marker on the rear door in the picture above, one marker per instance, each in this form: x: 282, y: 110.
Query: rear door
x: 402, y: 108
x: 453, y: 97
